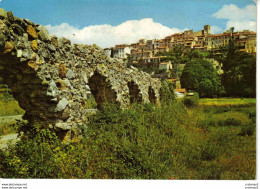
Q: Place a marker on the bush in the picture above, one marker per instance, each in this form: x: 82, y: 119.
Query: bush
x: 247, y: 130
x: 191, y: 102
x: 142, y: 142
x: 252, y: 116
x: 31, y: 158
x: 229, y: 122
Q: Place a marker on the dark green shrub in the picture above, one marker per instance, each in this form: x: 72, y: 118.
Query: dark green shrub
x: 247, y: 130
x: 252, y: 116
x: 229, y: 122
x: 222, y: 109
x: 191, y: 102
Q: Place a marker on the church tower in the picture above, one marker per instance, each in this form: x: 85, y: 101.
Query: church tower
x: 207, y: 30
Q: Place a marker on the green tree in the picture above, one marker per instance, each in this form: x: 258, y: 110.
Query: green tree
x: 195, y: 54
x: 239, y: 77
x: 201, y: 76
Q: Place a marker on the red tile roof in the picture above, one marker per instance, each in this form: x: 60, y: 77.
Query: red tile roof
x: 180, y: 90
x: 172, y: 80
x: 219, y: 35
x: 165, y: 63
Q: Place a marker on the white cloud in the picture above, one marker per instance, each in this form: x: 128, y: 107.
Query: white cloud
x: 216, y: 30
x: 0, y: 1
x: 240, y: 18
x: 107, y: 36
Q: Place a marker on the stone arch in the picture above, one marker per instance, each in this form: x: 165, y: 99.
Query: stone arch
x: 27, y: 89
x: 101, y: 90
x: 134, y: 92
x: 151, y: 93
x: 48, y: 76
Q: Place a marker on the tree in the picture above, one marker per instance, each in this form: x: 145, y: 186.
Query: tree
x: 195, y: 54
x: 239, y: 77
x: 200, y: 75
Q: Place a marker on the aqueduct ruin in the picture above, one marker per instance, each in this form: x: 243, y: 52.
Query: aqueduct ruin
x: 48, y: 75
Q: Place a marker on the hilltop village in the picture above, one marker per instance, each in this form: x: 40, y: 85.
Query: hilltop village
x: 146, y: 51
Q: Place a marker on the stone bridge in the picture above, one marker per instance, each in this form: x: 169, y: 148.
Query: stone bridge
x: 49, y: 76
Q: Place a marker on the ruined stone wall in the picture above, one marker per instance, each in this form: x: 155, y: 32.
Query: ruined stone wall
x: 48, y: 75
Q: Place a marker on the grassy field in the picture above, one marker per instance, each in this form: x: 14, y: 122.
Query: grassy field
x: 146, y: 142
x: 227, y: 101
x: 228, y: 126
x: 9, y: 106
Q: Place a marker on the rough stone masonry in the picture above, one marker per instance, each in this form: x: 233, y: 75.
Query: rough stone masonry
x: 49, y: 76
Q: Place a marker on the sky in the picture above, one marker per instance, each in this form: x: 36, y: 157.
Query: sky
x: 110, y: 22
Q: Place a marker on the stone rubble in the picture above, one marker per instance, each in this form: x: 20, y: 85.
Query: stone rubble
x: 50, y: 77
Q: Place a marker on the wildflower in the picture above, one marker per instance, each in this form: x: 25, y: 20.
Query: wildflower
x: 172, y: 178
x: 175, y: 152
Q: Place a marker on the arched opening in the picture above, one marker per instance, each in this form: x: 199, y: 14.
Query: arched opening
x: 101, y: 90
x: 10, y: 111
x: 151, y: 93
x: 134, y: 92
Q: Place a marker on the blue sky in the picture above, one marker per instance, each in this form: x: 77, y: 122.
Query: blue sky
x: 79, y: 16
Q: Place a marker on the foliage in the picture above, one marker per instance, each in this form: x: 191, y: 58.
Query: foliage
x: 239, y: 78
x: 195, y: 54
x: 142, y: 142
x: 31, y: 158
x: 200, y: 75
x: 191, y: 101
x: 8, y: 128
x: 91, y: 103
x: 167, y: 92
x: 10, y: 107
x: 227, y: 102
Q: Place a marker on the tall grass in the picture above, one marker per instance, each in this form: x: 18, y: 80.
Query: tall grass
x: 8, y: 108
x: 142, y: 142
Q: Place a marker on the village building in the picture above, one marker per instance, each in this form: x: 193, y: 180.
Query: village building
x: 146, y: 51
x: 121, y: 51
x: 150, y: 44
x: 108, y: 52
x: 167, y: 66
